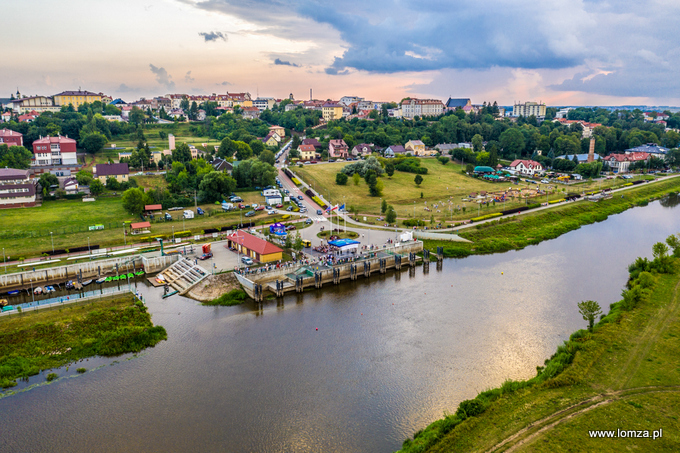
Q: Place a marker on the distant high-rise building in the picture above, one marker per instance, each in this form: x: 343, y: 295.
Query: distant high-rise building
x: 529, y: 108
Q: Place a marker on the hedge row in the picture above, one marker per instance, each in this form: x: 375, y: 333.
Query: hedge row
x: 319, y: 201
x: 556, y: 201
x: 487, y: 216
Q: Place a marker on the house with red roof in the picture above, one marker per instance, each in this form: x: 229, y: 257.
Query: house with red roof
x: 57, y: 150
x: 620, y: 163
x: 307, y: 152
x: 338, y: 148
x: 526, y: 167
x: 254, y: 247
x: 10, y: 138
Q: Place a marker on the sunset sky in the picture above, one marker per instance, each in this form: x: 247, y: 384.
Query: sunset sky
x: 562, y: 53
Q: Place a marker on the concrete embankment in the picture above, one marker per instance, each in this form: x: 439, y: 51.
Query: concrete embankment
x: 86, y: 270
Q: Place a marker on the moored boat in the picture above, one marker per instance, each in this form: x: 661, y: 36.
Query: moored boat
x: 49, y: 289
x: 100, y: 280
x: 69, y: 284
x: 3, y: 302
x: 37, y: 290
x: 13, y: 292
x: 87, y: 282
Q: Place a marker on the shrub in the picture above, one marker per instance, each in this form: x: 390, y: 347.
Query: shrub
x: 81, y: 370
x: 52, y: 376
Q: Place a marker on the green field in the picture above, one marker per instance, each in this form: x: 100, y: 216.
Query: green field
x: 68, y: 220
x: 39, y: 340
x: 624, y: 375
x: 441, y: 185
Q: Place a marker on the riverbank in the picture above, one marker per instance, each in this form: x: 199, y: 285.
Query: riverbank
x: 35, y: 341
x: 624, y: 375
x: 515, y: 233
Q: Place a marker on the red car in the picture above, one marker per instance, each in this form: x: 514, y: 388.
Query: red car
x: 290, y: 227
x: 241, y: 206
x: 205, y: 256
x: 260, y: 208
x: 279, y: 206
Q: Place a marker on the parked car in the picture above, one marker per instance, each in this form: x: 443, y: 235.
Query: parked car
x: 205, y: 256
x: 260, y: 208
x: 247, y: 260
x: 308, y: 221
x: 250, y: 213
x: 279, y: 206
x: 241, y: 206
x: 291, y: 227
x: 319, y: 212
x: 300, y: 197
x: 289, y: 208
x: 545, y: 181
x: 303, y: 209
x: 200, y: 211
x: 271, y: 212
x: 168, y: 217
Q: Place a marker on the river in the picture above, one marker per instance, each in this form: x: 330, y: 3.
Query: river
x: 390, y: 355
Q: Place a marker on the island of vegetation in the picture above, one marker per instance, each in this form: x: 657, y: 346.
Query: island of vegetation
x: 34, y: 341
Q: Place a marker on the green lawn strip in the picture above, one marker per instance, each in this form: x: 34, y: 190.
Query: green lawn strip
x: 50, y: 338
x: 514, y: 233
x: 439, y: 184
x: 585, y: 370
x: 233, y: 297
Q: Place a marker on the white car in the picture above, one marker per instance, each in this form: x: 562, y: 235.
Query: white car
x: 545, y: 181
x: 247, y: 260
x: 271, y: 212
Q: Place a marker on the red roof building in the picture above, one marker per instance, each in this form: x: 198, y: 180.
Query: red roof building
x: 11, y: 138
x: 58, y: 150
x: 254, y: 247
x: 526, y: 167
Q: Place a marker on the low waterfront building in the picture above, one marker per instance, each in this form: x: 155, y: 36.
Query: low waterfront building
x: 16, y: 188
x: 254, y: 247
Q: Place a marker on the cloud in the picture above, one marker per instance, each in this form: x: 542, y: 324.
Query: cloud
x: 162, y: 77
x: 126, y: 89
x: 278, y: 61
x: 213, y: 36
x: 188, y: 78
x: 224, y: 84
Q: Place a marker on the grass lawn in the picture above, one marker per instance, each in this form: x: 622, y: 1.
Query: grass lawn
x: 68, y: 220
x: 443, y: 185
x: 49, y: 338
x: 625, y: 376
x: 182, y: 135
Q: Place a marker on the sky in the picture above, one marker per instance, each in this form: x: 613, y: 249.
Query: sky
x: 577, y: 52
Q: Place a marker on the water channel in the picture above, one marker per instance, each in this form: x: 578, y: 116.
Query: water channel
x: 390, y: 355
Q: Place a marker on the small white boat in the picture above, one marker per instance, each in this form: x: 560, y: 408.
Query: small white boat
x: 37, y: 290
x: 100, y: 280
x: 87, y: 282
x: 49, y: 289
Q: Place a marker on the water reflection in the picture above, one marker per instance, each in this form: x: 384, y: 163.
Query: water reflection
x: 389, y: 355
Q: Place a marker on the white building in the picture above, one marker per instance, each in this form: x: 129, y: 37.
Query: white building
x: 347, y: 100
x: 526, y: 167
x: 264, y: 103
x: 529, y: 108
x: 411, y: 107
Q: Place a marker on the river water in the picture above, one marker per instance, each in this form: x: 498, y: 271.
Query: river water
x: 390, y: 355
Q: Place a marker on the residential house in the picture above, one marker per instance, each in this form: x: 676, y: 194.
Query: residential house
x: 348, y: 100
x: 307, y: 152
x: 6, y: 117
x: 120, y: 172
x: 338, y: 149
x: 29, y: 117
x: 222, y: 165
x: 415, y: 147
x: 16, y: 189
x: 76, y: 98
x: 272, y: 139
x: 11, y: 138
x: 652, y: 148
x: 331, y: 111
x: 54, y: 151
x: 279, y: 130
x: 362, y: 149
x: 620, y: 163
x: 412, y: 107
x: 70, y: 185
x: 394, y: 150
x: 250, y: 113
x: 264, y: 103
x: 254, y: 247
x: 312, y: 141
x: 587, y: 127
x: 526, y: 167
x: 201, y: 115
x: 242, y: 99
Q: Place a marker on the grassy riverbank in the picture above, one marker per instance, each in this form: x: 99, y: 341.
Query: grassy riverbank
x: 40, y: 340
x: 623, y: 375
x: 233, y: 297
x: 514, y: 233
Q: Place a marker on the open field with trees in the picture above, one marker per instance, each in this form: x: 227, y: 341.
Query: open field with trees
x: 34, y: 341
x: 624, y: 374
x: 441, y: 184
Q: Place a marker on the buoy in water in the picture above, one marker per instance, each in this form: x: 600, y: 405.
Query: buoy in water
x: 317, y: 328
x: 501, y: 273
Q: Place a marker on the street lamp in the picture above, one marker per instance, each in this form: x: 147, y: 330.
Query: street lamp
x: 52, y: 238
x: 89, y: 252
x: 173, y: 233
x: 4, y: 260
x: 124, y: 235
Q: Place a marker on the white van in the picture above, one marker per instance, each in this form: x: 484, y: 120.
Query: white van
x: 188, y: 214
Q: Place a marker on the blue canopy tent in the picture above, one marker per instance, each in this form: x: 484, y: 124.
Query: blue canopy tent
x: 345, y: 244
x: 277, y: 228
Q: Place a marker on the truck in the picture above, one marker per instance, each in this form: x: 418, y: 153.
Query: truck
x: 188, y: 214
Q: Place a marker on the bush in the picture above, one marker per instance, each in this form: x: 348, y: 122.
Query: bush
x: 233, y: 297
x: 52, y: 376
x: 487, y: 216
x: 81, y: 370
x: 341, y: 179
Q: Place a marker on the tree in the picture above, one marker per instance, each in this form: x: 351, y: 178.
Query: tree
x: 243, y: 150
x: 96, y: 187
x: 341, y: 179
x: 181, y: 153
x: 93, y: 142
x: 469, y: 168
x: 296, y: 142
x: 589, y: 309
x: 15, y: 157
x: 418, y: 179
x: 267, y: 156
x: 297, y: 243
x: 356, y: 178
x: 512, y: 142
x: 477, y: 142
x: 136, y: 116
x: 389, y: 168
x: 134, y: 200
x: 215, y: 185
x: 257, y: 147
x: 227, y: 148
x: 391, y: 216
x: 48, y: 179
x: 383, y: 206
x: 84, y: 177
